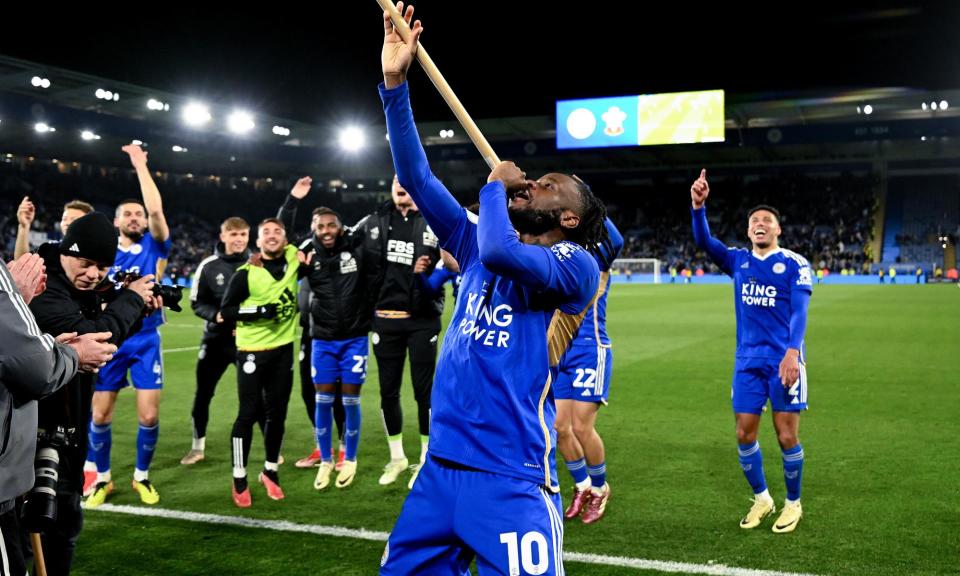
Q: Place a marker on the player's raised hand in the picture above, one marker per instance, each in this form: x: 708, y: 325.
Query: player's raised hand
x: 301, y: 188
x: 25, y: 213
x: 700, y: 190
x: 137, y: 156
x: 397, y: 55
x: 790, y: 367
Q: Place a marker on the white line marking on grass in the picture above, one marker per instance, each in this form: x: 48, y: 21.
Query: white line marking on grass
x: 362, y: 534
x: 674, y: 567
x: 186, y: 349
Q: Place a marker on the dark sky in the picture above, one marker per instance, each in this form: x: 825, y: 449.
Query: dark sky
x: 502, y: 58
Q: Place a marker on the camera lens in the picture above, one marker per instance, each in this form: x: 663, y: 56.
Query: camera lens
x: 40, y: 506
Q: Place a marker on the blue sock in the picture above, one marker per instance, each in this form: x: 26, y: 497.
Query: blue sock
x: 751, y: 460
x: 351, y: 437
x: 101, y: 438
x: 323, y: 417
x: 793, y: 471
x: 578, y: 469
x: 598, y: 475
x: 146, y: 445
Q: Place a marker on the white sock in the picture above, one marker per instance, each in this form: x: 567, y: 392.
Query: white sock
x: 396, y: 448
x: 581, y: 486
x: 271, y: 466
x: 239, y: 472
x: 765, y: 495
x: 200, y: 444
x: 789, y: 502
x: 140, y: 475
x: 424, y: 444
x: 103, y: 476
x: 89, y: 466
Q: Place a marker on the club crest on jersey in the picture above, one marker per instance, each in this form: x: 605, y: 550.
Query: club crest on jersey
x: 219, y: 278
x: 347, y: 263
x: 564, y: 250
x: 375, y: 233
x: 779, y: 268
x: 136, y: 249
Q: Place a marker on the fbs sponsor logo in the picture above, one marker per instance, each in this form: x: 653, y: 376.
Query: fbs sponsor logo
x: 400, y: 252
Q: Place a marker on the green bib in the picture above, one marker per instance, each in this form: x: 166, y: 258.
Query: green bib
x: 265, y: 289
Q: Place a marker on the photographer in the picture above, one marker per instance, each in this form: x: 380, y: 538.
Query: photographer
x: 32, y: 365
x: 73, y: 302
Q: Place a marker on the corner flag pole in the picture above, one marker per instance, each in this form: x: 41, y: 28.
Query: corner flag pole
x: 478, y: 139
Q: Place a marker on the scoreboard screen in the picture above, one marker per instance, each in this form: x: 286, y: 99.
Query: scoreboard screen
x: 675, y: 118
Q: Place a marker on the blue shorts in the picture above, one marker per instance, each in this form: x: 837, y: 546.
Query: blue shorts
x: 584, y: 374
x: 345, y: 360
x: 757, y: 379
x: 452, y: 515
x: 141, y: 355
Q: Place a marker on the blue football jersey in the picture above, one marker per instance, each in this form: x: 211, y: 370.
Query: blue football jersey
x: 141, y: 257
x: 491, y: 407
x: 762, y: 290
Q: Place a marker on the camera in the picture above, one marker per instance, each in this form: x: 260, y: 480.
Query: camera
x: 171, y: 294
x: 40, y: 504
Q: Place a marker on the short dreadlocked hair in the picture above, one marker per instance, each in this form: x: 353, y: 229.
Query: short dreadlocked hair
x: 592, y: 231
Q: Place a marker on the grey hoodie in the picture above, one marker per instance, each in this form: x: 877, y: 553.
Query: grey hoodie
x: 32, y: 365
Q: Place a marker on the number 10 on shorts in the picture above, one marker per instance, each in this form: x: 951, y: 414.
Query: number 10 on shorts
x: 525, y: 553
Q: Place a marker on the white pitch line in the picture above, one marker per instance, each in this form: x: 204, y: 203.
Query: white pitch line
x: 186, y: 349
x: 362, y: 534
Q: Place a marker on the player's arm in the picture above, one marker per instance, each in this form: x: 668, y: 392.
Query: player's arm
x: 716, y: 249
x: 25, y: 214
x: 238, y: 290
x: 58, y: 313
x: 536, y: 267
x: 440, y: 209
x: 799, y: 303
x: 151, y: 194
x: 288, y: 211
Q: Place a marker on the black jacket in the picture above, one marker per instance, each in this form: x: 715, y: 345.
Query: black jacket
x: 374, y: 229
x: 209, y: 285
x: 62, y: 309
x: 341, y: 299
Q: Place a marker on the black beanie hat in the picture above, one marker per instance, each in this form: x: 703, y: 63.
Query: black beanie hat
x: 93, y: 237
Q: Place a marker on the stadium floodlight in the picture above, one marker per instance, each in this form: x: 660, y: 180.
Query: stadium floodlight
x: 352, y: 139
x: 281, y: 131
x: 196, y: 114
x: 100, y: 93
x: 359, y: 186
x: 943, y: 104
x: 178, y: 148
x: 933, y: 105
x: 137, y: 142
x: 923, y: 106
x: 43, y: 127
x: 88, y: 135
x: 39, y: 82
x: 868, y: 109
x: 240, y: 122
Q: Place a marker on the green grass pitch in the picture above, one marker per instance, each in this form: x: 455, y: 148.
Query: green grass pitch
x: 881, y: 482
